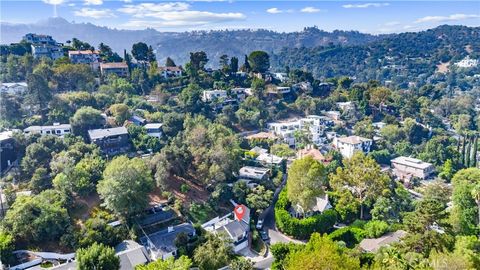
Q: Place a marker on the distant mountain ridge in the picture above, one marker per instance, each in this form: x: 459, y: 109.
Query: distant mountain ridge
x: 177, y: 45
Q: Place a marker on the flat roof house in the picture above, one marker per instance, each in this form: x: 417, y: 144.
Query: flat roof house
x: 407, y: 167
x: 170, y: 72
x: 349, y: 145
x: 210, y: 95
x: 161, y: 244
x: 55, y: 129
x: 120, y: 69
x: 254, y: 173
x: 112, y: 141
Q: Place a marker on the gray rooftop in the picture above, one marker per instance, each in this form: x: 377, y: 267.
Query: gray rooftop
x: 95, y: 134
x: 131, y: 254
x: 164, y: 241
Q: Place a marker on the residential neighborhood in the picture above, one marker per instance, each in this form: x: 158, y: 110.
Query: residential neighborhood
x: 129, y: 159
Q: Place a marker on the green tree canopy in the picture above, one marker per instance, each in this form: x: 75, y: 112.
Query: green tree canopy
x: 259, y: 61
x: 97, y: 257
x: 84, y: 119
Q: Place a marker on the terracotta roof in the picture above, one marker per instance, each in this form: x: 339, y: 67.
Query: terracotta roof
x: 114, y: 65
x: 314, y: 153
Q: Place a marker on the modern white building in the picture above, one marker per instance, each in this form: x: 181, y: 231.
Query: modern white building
x: 154, y: 129
x: 210, y: 95
x: 254, y: 173
x: 347, y: 146
x: 170, y: 72
x: 14, y: 88
x: 267, y: 159
x: 407, y: 167
x: 55, y: 129
x: 314, y: 125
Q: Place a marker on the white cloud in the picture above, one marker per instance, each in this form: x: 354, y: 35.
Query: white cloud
x: 366, y: 5
x: 275, y: 10
x: 392, y: 23
x: 93, y: 2
x: 173, y: 14
x: 54, y: 2
x: 94, y: 13
x: 453, y: 17
x: 71, y: 4
x: 127, y: 1
x: 310, y: 10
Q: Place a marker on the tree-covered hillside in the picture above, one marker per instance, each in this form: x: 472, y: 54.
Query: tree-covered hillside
x: 402, y: 58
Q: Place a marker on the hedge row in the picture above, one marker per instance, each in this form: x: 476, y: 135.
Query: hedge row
x: 301, y: 228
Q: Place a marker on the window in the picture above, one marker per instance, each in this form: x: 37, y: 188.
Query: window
x: 58, y: 131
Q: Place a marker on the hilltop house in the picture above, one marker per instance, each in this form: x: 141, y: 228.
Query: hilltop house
x: 112, y: 141
x: 309, y: 151
x: 349, y: 145
x: 120, y: 69
x: 44, y: 46
x: 235, y: 228
x: 170, y: 72
x: 55, y: 129
x: 87, y: 57
x: 407, y: 167
x: 161, y: 244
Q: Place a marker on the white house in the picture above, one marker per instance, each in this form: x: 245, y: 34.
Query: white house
x: 87, y: 57
x: 267, y: 159
x: 349, y: 145
x: 314, y: 125
x: 281, y: 76
x: 407, y: 167
x: 235, y: 228
x: 254, y: 173
x: 170, y: 72
x: 14, y: 88
x: 154, y: 129
x: 55, y: 129
x: 210, y: 95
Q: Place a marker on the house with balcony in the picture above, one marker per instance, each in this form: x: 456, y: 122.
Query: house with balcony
x: 211, y: 95
x: 170, y: 72
x: 55, y: 129
x: 406, y: 168
x: 87, y: 57
x: 111, y: 141
x: 347, y: 146
x: 120, y: 69
x: 313, y: 125
x: 53, y: 52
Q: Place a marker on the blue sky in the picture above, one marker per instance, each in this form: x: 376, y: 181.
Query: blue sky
x: 366, y: 16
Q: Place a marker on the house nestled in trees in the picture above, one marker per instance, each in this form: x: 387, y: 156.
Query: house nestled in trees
x: 44, y: 46
x: 322, y: 204
x: 112, y: 141
x: 170, y: 72
x: 407, y: 167
x: 349, y: 145
x: 120, y: 69
x: 55, y: 129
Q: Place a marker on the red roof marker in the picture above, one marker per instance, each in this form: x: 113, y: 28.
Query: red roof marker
x: 239, y: 211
